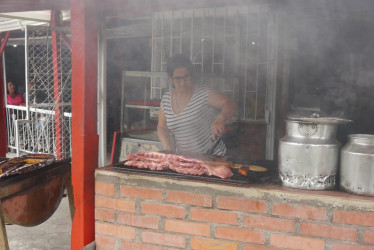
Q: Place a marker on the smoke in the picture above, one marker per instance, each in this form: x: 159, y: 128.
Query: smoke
x: 331, y: 52
x: 329, y: 43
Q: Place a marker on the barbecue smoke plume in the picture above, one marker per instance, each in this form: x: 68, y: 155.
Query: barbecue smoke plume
x: 330, y: 43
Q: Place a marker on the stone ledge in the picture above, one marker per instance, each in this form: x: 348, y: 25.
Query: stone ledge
x: 334, y: 198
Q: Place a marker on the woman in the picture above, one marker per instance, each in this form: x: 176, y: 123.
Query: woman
x: 188, y: 113
x: 13, y: 98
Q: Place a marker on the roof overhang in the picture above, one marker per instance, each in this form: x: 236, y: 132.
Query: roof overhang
x: 33, y: 5
x: 18, y: 20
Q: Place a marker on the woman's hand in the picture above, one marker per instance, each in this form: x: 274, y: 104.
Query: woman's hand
x: 218, y: 127
x: 228, y: 108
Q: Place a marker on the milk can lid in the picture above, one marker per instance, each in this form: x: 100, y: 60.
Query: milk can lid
x: 315, y: 118
x: 320, y: 120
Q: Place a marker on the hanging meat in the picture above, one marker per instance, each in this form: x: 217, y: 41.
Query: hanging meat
x: 178, y: 163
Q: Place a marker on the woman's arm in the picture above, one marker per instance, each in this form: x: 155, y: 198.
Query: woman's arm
x: 228, y: 109
x: 163, y: 131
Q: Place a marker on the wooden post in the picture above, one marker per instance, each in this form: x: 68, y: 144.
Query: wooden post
x: 69, y: 189
x: 3, y: 235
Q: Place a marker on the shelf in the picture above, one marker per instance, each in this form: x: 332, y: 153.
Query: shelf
x: 140, y: 106
x: 143, y: 105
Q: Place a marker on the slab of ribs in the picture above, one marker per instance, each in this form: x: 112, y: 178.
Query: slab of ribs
x: 178, y: 163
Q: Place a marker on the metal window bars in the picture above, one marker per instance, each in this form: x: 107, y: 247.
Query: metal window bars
x: 43, y: 125
x: 230, y: 49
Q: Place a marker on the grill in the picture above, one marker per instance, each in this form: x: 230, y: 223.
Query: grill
x: 31, y: 198
x: 268, y: 177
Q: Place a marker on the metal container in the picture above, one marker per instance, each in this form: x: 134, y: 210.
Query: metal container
x: 357, y: 165
x: 133, y: 145
x: 309, y: 154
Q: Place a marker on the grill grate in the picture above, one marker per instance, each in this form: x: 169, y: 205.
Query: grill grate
x: 264, y: 177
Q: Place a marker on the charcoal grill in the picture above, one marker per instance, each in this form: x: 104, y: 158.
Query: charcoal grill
x: 267, y: 177
x: 30, y: 199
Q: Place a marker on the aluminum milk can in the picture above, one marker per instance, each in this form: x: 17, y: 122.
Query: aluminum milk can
x: 308, y: 155
x: 357, y: 165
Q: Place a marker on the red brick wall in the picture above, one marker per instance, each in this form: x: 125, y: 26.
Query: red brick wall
x: 157, y: 217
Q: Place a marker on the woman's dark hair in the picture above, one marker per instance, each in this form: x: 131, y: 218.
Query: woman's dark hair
x: 178, y: 61
x: 15, y: 85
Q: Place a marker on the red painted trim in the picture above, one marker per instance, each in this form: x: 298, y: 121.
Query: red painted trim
x: 85, y: 140
x: 57, y: 86
x: 3, y: 135
x: 116, y: 134
x: 4, y: 42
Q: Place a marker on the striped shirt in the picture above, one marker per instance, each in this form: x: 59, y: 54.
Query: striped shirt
x: 191, y: 128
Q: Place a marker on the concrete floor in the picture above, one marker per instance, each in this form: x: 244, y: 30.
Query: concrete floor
x: 54, y: 233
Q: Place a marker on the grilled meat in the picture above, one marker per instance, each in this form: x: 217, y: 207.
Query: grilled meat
x: 246, y: 169
x: 178, y: 163
x: 243, y: 170
x: 24, y: 164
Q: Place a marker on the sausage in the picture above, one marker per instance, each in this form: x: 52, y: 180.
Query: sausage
x: 246, y: 169
x: 243, y: 170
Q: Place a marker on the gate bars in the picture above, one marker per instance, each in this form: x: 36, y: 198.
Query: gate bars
x: 43, y: 125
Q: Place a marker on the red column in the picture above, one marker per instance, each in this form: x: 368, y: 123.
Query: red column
x: 3, y: 136
x: 84, y: 119
x: 56, y: 83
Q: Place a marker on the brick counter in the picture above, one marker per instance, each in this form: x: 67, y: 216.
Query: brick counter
x: 158, y: 213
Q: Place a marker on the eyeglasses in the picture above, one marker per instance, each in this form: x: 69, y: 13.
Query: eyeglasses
x: 178, y: 79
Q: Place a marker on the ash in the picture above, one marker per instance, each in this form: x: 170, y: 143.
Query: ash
x: 309, y: 182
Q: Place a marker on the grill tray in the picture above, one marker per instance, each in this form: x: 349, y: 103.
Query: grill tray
x: 236, y: 179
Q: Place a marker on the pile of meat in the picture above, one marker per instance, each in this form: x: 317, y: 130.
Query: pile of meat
x: 178, y: 163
